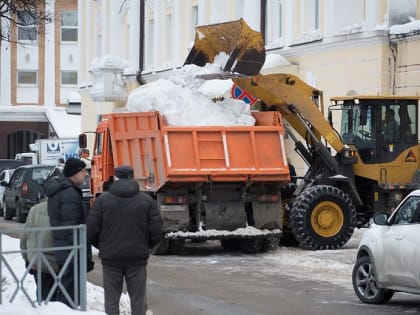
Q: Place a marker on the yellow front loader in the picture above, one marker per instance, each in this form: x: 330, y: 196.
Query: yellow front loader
x: 352, y: 173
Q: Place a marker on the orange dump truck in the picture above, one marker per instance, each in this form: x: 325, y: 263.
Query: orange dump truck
x: 213, y: 182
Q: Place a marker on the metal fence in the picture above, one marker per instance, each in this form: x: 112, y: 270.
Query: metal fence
x: 76, y: 259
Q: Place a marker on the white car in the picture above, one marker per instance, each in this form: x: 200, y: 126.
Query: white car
x: 4, y: 176
x: 388, y: 257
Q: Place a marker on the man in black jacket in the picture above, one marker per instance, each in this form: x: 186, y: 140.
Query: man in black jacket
x: 124, y: 224
x: 66, y: 207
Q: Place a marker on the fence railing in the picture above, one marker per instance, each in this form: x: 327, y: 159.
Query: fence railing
x: 75, y: 259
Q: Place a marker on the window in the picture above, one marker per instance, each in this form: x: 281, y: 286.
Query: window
x: 68, y: 77
x: 27, y: 25
x: 69, y: 26
x: 278, y: 19
x: 98, y: 146
x: 27, y: 77
x: 408, y: 212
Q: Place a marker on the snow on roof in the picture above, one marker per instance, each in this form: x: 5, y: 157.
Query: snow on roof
x: 413, y: 25
x: 65, y: 125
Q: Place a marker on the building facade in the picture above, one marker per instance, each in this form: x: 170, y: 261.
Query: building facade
x: 39, y: 72
x: 340, y: 47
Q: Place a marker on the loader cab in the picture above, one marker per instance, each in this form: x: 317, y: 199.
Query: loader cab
x: 380, y: 127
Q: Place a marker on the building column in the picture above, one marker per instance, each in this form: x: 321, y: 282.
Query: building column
x: 158, y: 33
x: 252, y: 9
x: 372, y: 9
x: 134, y: 34
x: 5, y: 75
x: 49, y: 78
x: 328, y: 20
x: 178, y: 54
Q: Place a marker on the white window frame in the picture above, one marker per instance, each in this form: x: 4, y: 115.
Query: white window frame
x: 25, y: 29
x: 68, y: 71
x: 278, y: 19
x: 312, y: 15
x: 69, y: 27
x: 21, y: 84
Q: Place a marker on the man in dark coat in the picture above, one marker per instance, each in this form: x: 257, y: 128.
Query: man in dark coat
x: 66, y: 207
x: 124, y: 224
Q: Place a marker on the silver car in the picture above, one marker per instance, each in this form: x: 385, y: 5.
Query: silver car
x: 388, y: 257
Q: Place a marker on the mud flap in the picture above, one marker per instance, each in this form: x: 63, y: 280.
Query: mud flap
x: 224, y: 215
x: 244, y: 46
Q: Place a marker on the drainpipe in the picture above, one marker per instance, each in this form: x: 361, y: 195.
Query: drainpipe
x: 263, y: 17
x: 141, y: 44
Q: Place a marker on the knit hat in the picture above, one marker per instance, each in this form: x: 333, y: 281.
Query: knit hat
x: 73, y: 166
x: 124, y: 171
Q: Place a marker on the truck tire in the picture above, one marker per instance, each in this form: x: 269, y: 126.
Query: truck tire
x: 230, y: 244
x: 323, y: 217
x: 20, y: 217
x: 8, y: 213
x: 288, y: 238
x: 176, y: 247
x: 252, y: 246
x: 162, y: 248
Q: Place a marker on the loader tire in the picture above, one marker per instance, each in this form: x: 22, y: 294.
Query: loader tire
x: 323, y: 217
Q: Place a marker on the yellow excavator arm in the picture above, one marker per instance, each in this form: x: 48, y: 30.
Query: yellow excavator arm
x: 284, y: 93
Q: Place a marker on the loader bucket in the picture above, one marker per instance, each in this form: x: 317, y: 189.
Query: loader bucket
x: 244, y: 46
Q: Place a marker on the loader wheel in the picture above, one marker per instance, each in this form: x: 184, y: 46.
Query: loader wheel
x: 323, y: 217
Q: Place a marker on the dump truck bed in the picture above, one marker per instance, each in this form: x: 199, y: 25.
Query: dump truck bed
x: 161, y: 154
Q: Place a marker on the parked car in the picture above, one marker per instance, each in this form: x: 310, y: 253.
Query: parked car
x: 4, y: 177
x: 24, y: 190
x: 389, y: 254
x: 87, y: 196
x: 10, y: 164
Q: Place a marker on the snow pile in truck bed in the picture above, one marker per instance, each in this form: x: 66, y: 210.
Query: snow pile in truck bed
x: 186, y: 100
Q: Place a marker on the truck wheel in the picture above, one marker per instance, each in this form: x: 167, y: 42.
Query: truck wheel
x: 323, y: 217
x: 8, y: 214
x: 2, y: 209
x: 252, y: 246
x: 20, y: 217
x: 176, y: 247
x: 271, y: 243
x: 162, y: 248
x: 230, y: 244
x: 288, y: 239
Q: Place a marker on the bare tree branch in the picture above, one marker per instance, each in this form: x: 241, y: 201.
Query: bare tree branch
x: 22, y: 13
